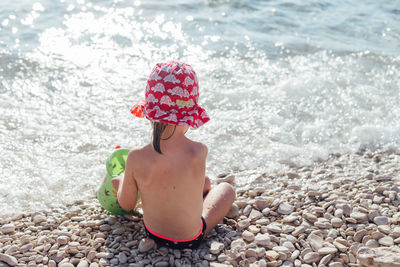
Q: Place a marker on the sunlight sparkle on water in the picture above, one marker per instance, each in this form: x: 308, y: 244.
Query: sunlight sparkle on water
x: 275, y: 94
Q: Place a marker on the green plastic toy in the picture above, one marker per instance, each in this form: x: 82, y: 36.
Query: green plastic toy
x: 107, y: 195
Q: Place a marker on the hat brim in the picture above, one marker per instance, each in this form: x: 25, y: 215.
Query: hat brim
x: 193, y: 118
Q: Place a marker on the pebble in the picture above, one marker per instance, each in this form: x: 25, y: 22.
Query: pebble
x: 248, y: 236
x: 10, y: 260
x: 146, y: 244
x: 233, y: 212
x: 7, y: 228
x: 311, y: 257
x: 336, y: 222
x: 255, y: 215
x: 281, y: 249
x: 263, y: 240
x: 62, y: 240
x: 238, y: 243
x: 26, y: 247
x: 285, y: 208
x: 359, y: 235
x: 243, y: 224
x: 289, y: 245
x: 274, y: 228
x: 340, y: 246
x: 38, y: 219
x: 271, y: 255
x: 327, y: 250
x: 381, y: 220
x: 91, y: 255
x: 322, y: 220
x: 386, y: 241
x: 261, y: 203
x: 216, y: 247
x: 359, y: 216
x: 311, y: 217
x: 291, y: 218
x: 227, y: 178
x: 315, y: 241
x: 104, y: 255
x: 372, y: 243
x: 384, y: 229
x: 83, y: 263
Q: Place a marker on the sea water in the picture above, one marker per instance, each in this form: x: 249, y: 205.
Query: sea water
x: 285, y: 82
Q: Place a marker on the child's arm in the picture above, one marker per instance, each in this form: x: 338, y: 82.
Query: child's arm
x: 127, y: 188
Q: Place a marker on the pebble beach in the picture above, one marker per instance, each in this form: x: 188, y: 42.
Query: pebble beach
x: 339, y: 212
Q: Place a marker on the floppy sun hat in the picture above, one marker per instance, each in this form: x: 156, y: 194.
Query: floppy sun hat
x: 172, y: 95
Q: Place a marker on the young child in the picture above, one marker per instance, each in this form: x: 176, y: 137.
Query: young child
x: 179, y: 206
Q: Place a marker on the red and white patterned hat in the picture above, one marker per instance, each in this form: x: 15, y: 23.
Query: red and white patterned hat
x: 172, y: 95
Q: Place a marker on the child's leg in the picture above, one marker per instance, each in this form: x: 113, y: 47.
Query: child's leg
x: 207, y: 186
x: 217, y: 204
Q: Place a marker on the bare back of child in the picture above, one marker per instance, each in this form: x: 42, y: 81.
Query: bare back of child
x: 179, y: 206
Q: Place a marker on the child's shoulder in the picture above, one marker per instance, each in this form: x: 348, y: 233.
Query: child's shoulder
x: 199, y: 149
x: 138, y: 153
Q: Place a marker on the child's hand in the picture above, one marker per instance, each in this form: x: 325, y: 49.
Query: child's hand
x: 116, y: 181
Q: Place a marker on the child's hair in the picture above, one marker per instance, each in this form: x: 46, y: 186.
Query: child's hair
x: 158, y: 129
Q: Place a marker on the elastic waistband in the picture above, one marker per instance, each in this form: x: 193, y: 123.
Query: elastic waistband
x: 173, y: 239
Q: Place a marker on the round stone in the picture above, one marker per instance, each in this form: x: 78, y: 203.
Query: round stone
x: 233, y: 212
x: 243, y: 224
x: 381, y: 220
x: 336, y: 222
x: 359, y: 235
x: 254, y: 229
x: 255, y: 215
x: 10, y: 260
x: 122, y: 258
x: 26, y: 247
x: 248, y: 236
x: 7, y: 228
x: 263, y: 240
x: 285, y: 208
x: 327, y: 250
x: 146, y: 244
x: 38, y: 219
x: 311, y: 217
x: 261, y: 203
x: 384, y: 229
x: 372, y: 243
x: 290, y: 218
x: 83, y: 263
x: 275, y: 228
x: 311, y: 257
x: 386, y: 241
x: 238, y: 243
x: 282, y: 249
x: 359, y: 216
x: 289, y: 245
x: 62, y: 240
x: 216, y: 247
x: 271, y: 255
